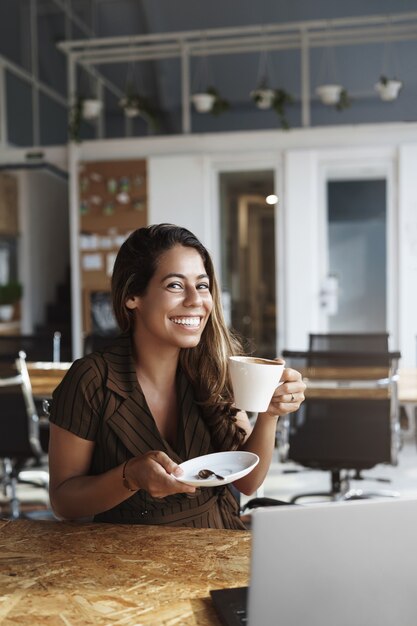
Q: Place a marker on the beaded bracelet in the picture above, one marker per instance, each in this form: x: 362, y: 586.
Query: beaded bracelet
x: 125, y: 481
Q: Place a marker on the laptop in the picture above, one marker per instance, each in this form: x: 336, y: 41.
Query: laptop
x: 329, y: 564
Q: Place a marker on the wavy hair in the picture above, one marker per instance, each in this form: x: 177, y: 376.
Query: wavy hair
x: 205, y: 365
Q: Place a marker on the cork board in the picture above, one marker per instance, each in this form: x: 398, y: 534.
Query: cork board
x: 8, y: 205
x: 112, y: 203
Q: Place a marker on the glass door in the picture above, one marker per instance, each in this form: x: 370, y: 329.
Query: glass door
x: 248, y: 257
x: 354, y: 293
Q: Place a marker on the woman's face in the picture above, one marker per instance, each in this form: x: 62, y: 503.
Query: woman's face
x: 177, y: 303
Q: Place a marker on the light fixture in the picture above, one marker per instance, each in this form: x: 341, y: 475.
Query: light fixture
x: 271, y: 199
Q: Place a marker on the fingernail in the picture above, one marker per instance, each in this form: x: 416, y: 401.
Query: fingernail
x: 178, y: 471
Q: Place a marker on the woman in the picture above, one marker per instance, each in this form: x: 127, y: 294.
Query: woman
x: 124, y: 419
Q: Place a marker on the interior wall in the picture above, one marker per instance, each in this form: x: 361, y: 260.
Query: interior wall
x: 44, y: 242
x: 407, y: 275
x: 176, y: 192
x: 181, y: 189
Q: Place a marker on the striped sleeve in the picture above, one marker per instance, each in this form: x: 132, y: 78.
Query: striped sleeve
x: 77, y: 401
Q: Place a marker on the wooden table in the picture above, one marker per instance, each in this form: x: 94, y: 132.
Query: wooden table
x: 359, y: 382
x: 407, y: 385
x: 68, y: 574
x: 45, y: 376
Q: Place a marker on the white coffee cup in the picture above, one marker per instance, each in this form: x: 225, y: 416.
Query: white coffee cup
x: 254, y: 381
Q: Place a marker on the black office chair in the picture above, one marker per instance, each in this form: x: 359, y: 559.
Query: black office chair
x: 348, y: 342
x: 20, y: 446
x: 349, y: 421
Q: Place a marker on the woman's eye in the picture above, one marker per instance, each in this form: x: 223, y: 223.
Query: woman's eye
x: 203, y: 286
x: 174, y: 286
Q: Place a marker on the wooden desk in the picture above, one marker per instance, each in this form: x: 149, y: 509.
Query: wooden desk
x: 407, y: 385
x: 45, y: 376
x: 103, y: 574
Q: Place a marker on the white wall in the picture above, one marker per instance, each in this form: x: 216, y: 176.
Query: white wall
x: 407, y: 206
x: 181, y: 190
x: 176, y: 187
x: 301, y: 273
x: 44, y: 242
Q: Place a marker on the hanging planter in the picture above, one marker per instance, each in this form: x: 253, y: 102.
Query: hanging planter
x: 91, y: 108
x: 388, y: 89
x: 263, y: 97
x: 210, y: 101
x: 203, y: 102
x: 278, y: 99
x: 334, y: 95
x: 135, y: 105
x: 206, y: 99
x: 329, y: 94
x: 329, y: 90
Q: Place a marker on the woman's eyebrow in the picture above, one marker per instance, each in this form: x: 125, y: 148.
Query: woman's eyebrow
x: 175, y: 275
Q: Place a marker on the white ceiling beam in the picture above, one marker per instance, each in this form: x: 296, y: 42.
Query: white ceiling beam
x: 387, y: 23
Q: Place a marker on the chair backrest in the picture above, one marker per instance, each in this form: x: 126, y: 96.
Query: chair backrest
x: 19, y: 421
x: 341, y: 433
x: 350, y: 416
x: 348, y: 342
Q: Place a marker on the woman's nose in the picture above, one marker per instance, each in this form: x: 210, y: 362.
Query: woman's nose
x: 192, y: 297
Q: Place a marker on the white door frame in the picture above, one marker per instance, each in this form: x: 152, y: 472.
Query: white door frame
x: 362, y: 165
x: 221, y: 163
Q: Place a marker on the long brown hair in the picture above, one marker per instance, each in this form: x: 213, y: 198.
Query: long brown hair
x: 205, y: 365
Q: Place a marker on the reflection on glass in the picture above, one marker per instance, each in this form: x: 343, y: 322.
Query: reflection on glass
x: 248, y: 256
x: 357, y: 233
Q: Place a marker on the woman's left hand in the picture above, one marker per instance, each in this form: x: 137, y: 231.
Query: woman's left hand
x: 288, y: 395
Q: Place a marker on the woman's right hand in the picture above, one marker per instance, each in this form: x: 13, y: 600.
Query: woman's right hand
x: 154, y: 472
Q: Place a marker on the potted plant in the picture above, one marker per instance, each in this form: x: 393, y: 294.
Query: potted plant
x: 388, y: 88
x: 210, y: 101
x: 75, y: 119
x: 135, y: 105
x: 329, y: 94
x: 279, y: 103
x: 91, y: 108
x: 263, y: 97
x: 334, y: 95
x: 10, y: 293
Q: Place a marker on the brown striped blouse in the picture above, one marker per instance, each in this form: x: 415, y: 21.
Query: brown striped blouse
x: 100, y: 400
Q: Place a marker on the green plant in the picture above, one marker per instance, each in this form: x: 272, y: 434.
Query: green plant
x: 136, y: 103
x: 10, y: 292
x: 281, y: 100
x: 344, y: 101
x: 75, y: 118
x: 220, y: 105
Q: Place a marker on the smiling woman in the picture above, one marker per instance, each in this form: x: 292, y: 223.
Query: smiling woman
x: 125, y: 419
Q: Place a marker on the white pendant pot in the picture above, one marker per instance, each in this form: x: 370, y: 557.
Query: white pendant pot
x: 6, y: 312
x: 203, y: 102
x: 388, y: 90
x: 131, y: 111
x: 91, y: 109
x: 264, y: 98
x: 329, y: 94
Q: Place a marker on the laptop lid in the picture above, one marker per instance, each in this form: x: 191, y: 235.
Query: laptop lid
x: 335, y: 564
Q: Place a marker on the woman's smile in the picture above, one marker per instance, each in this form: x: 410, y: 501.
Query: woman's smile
x: 187, y: 322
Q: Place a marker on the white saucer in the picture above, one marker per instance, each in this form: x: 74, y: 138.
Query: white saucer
x: 231, y: 465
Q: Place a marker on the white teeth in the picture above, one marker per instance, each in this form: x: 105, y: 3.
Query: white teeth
x: 186, y: 321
